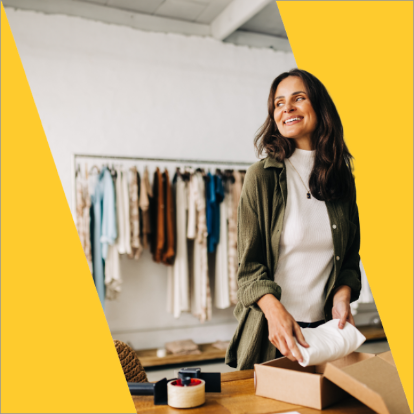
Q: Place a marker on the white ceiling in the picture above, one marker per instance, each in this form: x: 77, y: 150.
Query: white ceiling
x: 267, y: 21
x: 254, y: 23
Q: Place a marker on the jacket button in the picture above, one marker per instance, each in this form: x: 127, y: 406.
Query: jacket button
x: 338, y: 258
x: 334, y: 226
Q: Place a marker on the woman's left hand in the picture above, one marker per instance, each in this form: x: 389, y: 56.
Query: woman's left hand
x: 341, y: 306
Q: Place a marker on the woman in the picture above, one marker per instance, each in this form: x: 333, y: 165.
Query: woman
x: 298, y: 226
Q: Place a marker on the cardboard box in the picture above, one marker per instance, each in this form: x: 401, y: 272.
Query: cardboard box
x: 373, y: 379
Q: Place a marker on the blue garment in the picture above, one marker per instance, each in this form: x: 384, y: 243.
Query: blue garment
x: 215, y: 195
x: 210, y: 200
x: 104, y: 231
x: 109, y: 231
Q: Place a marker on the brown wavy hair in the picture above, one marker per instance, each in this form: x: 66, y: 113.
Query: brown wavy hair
x: 331, y: 177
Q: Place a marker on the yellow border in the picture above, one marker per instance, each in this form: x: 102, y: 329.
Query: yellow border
x: 57, y: 354
x: 363, y: 52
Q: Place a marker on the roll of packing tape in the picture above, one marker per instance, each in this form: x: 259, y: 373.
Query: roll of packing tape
x: 186, y: 396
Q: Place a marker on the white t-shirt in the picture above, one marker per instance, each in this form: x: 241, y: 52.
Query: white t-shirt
x: 306, y: 248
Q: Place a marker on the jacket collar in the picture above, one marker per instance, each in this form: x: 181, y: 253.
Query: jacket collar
x: 271, y: 162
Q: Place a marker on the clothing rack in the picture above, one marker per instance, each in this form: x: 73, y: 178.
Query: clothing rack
x: 180, y: 161
x: 185, y: 162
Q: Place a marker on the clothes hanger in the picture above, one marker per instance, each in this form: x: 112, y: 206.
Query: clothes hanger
x: 177, y: 173
x: 185, y: 175
x: 228, y: 174
x: 113, y: 172
x: 97, y: 169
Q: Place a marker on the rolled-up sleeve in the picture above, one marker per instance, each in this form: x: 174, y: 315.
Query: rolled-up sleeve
x: 253, y: 274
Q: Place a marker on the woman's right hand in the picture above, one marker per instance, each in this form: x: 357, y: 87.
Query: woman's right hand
x: 283, y: 329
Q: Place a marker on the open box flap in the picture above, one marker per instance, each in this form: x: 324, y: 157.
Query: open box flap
x: 387, y: 356
x: 374, y: 381
x: 352, y: 358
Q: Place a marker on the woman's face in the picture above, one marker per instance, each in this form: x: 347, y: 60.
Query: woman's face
x: 294, y: 114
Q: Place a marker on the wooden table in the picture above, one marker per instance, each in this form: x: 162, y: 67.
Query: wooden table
x: 238, y: 397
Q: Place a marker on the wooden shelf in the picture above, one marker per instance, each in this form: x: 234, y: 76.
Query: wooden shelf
x: 372, y: 333
x: 148, y: 357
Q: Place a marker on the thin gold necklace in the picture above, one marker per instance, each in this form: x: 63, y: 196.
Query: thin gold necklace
x: 308, y: 194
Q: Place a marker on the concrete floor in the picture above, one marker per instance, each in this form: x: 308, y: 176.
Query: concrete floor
x: 374, y: 347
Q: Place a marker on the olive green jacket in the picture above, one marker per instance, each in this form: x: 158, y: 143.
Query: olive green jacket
x: 260, y: 222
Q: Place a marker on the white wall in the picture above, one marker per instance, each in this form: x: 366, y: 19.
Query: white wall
x: 106, y: 89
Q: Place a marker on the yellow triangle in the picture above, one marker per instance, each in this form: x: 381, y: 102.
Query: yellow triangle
x: 363, y: 52
x: 57, y: 353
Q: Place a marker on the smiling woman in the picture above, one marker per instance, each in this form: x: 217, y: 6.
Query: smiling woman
x: 301, y: 96
x: 294, y: 114
x: 298, y: 226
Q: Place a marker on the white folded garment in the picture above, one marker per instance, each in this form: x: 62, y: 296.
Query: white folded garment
x: 327, y: 342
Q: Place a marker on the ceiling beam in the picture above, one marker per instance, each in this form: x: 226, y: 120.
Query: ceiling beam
x: 241, y: 37
x: 235, y: 15
x: 111, y: 15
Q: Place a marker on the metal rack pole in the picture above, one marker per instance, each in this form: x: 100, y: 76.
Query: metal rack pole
x: 181, y: 161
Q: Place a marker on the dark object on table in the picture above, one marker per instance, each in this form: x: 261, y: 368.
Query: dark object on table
x: 131, y: 365
x: 158, y: 389
x: 212, y: 379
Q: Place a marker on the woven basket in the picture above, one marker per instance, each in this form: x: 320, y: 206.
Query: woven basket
x: 133, y: 370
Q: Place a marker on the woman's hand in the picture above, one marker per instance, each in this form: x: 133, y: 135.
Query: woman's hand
x: 341, y: 306
x: 282, y: 328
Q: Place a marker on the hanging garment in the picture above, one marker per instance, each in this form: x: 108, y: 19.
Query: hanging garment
x: 222, y: 282
x: 191, y: 234
x: 216, y: 198
x: 96, y: 212
x: 232, y: 243
x: 144, y: 204
x: 83, y: 206
x: 201, y: 296
x: 170, y: 289
x: 236, y: 188
x: 113, y: 279
x: 140, y: 212
x: 109, y: 225
x: 158, y: 241
x: 136, y: 247
x: 109, y: 235
x: 192, y: 208
x: 122, y: 210
x: 178, y: 274
x: 104, y: 227
x: 169, y: 222
x: 210, y: 201
x: 92, y: 181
